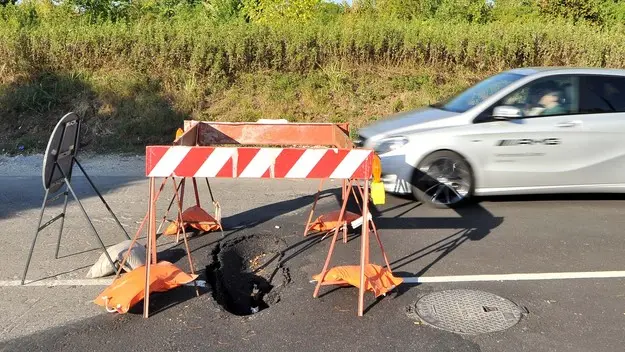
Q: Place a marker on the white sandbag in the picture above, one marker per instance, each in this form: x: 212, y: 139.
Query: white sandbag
x: 103, y: 267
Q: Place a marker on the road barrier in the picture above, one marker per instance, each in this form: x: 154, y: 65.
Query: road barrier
x: 267, y: 150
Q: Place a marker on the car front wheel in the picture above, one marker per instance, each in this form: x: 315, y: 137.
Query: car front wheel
x: 443, y: 179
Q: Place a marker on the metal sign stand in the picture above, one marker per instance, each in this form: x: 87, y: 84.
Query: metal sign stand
x: 58, y: 163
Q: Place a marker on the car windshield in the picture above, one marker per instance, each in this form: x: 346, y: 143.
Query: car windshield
x: 478, y: 93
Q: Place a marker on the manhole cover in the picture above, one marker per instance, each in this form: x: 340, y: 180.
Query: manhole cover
x: 468, y: 311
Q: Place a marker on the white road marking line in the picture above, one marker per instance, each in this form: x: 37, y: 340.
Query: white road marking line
x: 517, y: 277
x: 407, y: 280
x: 73, y: 282
x: 50, y: 283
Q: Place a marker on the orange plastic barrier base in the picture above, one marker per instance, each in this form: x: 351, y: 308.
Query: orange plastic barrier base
x: 330, y: 221
x: 378, y: 279
x: 129, y: 289
x: 194, y: 217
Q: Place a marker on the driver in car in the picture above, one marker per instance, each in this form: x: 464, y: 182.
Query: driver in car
x: 548, y: 104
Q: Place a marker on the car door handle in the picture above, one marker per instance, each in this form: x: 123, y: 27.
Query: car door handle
x: 569, y: 123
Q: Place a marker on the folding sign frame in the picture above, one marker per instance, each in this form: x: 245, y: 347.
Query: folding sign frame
x: 58, y: 164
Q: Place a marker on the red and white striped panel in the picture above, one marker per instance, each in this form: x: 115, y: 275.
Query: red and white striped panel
x: 181, y: 161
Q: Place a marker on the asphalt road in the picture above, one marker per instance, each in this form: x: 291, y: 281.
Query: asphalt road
x: 494, y: 236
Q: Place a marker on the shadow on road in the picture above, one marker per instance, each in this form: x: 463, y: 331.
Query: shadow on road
x: 575, y: 197
x: 474, y: 224
x: 25, y: 193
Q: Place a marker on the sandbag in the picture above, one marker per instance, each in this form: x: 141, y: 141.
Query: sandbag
x: 103, y: 267
x: 378, y: 279
x: 129, y: 289
x: 199, y: 219
x: 171, y: 229
x: 194, y: 217
x: 330, y: 221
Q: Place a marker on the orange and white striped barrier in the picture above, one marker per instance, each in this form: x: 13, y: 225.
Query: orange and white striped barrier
x: 257, y: 150
x: 227, y: 162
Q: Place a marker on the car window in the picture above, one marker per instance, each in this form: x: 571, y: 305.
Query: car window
x: 547, y: 96
x: 478, y: 93
x: 601, y: 94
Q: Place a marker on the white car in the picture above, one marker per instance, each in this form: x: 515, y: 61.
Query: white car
x: 522, y: 131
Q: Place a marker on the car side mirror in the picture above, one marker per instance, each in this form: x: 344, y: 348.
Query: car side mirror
x: 507, y: 113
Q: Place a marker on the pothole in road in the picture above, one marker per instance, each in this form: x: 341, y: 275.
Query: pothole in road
x: 245, y: 273
x: 466, y: 311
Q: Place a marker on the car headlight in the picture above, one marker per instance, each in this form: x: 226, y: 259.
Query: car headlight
x: 389, y: 144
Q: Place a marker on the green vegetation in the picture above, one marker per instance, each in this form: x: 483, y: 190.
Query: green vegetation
x: 136, y: 69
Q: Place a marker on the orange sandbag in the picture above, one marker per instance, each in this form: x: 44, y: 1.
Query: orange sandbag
x: 195, y: 217
x: 330, y: 221
x: 378, y: 279
x: 129, y: 289
x: 171, y: 229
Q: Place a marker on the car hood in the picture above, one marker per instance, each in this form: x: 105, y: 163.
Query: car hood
x: 407, y: 121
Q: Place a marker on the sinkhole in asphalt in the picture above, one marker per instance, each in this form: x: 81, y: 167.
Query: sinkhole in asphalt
x: 246, y: 275
x: 468, y: 312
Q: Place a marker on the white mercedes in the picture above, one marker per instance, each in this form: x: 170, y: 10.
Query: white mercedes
x: 522, y: 131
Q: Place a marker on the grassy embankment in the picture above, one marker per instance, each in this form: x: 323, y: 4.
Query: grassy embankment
x: 134, y: 81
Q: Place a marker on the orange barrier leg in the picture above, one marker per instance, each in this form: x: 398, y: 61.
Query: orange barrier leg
x: 183, y: 182
x: 152, y: 219
x: 151, y: 252
x: 312, y: 211
x: 195, y: 216
x: 217, y: 208
x: 364, y: 251
x: 136, y: 237
x: 184, y: 235
x: 178, y: 198
x: 356, y: 197
x: 149, y: 255
x: 171, y: 203
x: 347, y: 216
x: 377, y: 236
x: 363, y: 190
x: 344, y: 205
x: 365, y: 214
x: 326, y: 264
x: 364, y: 217
x: 343, y: 231
x: 180, y: 228
x: 195, y: 191
x: 336, y: 233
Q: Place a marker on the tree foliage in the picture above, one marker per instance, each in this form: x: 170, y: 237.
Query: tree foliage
x: 276, y: 11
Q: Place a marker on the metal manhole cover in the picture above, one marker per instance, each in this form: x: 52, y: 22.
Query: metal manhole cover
x: 468, y: 311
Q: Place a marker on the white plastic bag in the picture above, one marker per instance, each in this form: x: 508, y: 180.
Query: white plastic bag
x: 103, y: 267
